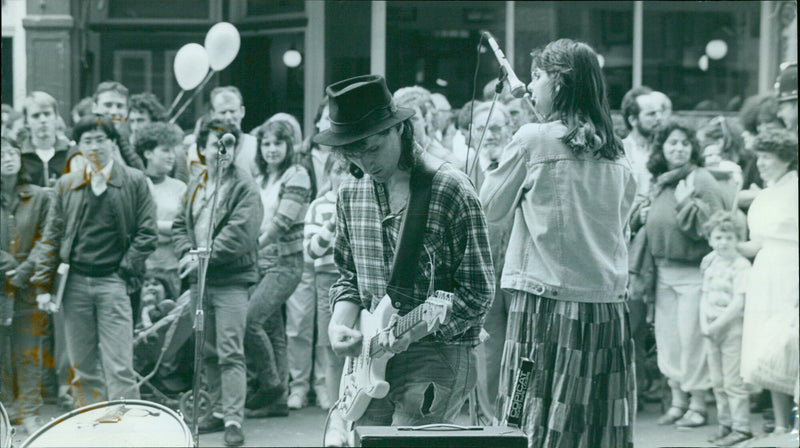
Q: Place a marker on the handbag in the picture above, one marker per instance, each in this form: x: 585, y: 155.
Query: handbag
x: 641, y: 269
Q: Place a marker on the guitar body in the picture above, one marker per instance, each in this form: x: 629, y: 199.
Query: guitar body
x: 363, y: 376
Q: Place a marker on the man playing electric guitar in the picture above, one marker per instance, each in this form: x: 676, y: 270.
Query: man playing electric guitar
x: 432, y: 373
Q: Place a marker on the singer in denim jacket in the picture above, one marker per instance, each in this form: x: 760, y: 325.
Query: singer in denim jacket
x: 570, y: 190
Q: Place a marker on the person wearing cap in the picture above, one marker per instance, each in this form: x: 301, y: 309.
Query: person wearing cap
x: 787, y: 96
x: 430, y: 375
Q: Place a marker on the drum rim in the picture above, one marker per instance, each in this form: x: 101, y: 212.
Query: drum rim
x: 89, y: 407
x: 5, y: 422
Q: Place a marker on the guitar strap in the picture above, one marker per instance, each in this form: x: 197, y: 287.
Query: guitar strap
x: 412, y: 233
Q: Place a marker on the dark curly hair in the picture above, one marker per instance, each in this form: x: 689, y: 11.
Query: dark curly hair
x: 157, y: 134
x: 149, y: 103
x: 781, y: 142
x: 283, y: 133
x: 657, y: 164
x: 408, y: 154
x: 579, y: 97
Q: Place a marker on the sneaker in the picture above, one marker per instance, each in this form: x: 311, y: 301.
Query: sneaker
x: 735, y: 437
x: 234, y: 435
x: 296, y: 401
x: 691, y: 419
x: 673, y: 414
x: 722, y: 431
x: 210, y: 424
x: 32, y: 424
x: 324, y: 400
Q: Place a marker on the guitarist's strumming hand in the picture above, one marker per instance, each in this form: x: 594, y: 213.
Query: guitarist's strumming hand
x: 345, y: 341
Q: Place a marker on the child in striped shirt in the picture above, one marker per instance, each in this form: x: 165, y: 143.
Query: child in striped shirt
x: 320, y: 225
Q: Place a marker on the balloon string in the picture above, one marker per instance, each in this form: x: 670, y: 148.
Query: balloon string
x: 175, y: 102
x: 194, y: 95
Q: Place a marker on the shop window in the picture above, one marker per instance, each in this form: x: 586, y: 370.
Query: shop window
x: 134, y: 69
x: 703, y: 55
x: 606, y: 26
x: 8, y: 70
x: 159, y: 9
x: 347, y: 39
x: 264, y: 8
x: 433, y: 44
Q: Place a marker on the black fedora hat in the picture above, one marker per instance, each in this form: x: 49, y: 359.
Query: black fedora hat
x: 360, y: 107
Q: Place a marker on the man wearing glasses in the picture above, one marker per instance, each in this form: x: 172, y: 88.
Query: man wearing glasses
x: 104, y: 227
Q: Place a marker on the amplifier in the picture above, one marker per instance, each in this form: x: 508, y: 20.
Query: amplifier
x: 436, y: 436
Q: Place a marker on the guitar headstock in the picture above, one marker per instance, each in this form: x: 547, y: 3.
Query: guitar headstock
x: 437, y: 308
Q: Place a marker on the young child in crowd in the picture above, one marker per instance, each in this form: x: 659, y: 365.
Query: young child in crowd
x: 319, y: 232
x: 725, y: 274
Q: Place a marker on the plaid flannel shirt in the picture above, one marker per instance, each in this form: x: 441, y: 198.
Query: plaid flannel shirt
x: 455, y: 237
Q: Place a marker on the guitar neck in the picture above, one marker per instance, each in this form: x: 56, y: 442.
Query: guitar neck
x: 403, y: 326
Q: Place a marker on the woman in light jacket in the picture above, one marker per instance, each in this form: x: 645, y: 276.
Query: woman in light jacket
x: 683, y: 197
x: 571, y: 190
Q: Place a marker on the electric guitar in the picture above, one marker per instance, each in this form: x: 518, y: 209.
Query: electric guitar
x: 363, y: 376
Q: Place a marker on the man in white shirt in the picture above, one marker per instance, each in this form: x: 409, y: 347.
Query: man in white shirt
x: 643, y: 113
x: 44, y: 152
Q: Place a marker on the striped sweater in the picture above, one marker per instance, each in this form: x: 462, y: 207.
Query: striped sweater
x: 293, y: 198
x: 318, y: 237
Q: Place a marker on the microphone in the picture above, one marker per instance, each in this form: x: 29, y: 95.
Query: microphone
x: 227, y: 140
x: 517, y: 87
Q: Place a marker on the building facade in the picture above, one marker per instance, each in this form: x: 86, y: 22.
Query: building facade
x: 704, y: 55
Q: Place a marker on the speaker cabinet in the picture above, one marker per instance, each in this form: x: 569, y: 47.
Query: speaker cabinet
x: 472, y: 437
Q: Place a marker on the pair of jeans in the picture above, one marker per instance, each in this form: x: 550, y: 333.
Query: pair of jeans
x: 730, y: 393
x: 98, y: 328
x: 429, y: 383
x: 223, y: 353
x: 300, y: 322
x: 265, y: 336
x: 31, y: 327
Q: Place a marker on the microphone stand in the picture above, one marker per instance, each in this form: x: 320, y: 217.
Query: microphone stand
x: 498, y: 89
x: 203, y: 254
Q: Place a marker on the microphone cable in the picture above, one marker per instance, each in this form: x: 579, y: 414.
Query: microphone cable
x: 472, y: 102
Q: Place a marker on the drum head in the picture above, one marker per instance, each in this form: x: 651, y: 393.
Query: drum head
x: 5, y: 428
x: 119, y: 423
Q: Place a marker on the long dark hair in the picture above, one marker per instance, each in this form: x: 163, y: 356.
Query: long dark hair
x: 284, y: 134
x: 657, y: 164
x: 579, y: 97
x: 409, y: 155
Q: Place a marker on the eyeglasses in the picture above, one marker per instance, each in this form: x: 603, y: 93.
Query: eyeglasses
x: 99, y: 140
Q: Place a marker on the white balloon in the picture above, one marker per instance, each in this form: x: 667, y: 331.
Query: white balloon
x: 222, y: 44
x: 716, y: 49
x: 703, y: 62
x: 190, y: 66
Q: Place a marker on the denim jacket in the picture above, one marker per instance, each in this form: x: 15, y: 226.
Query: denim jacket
x: 570, y: 213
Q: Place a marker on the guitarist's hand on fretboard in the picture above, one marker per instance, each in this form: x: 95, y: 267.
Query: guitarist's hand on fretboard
x: 390, y: 342
x: 345, y: 341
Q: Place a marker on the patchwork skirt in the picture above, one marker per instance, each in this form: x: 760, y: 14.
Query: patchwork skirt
x: 582, y: 391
